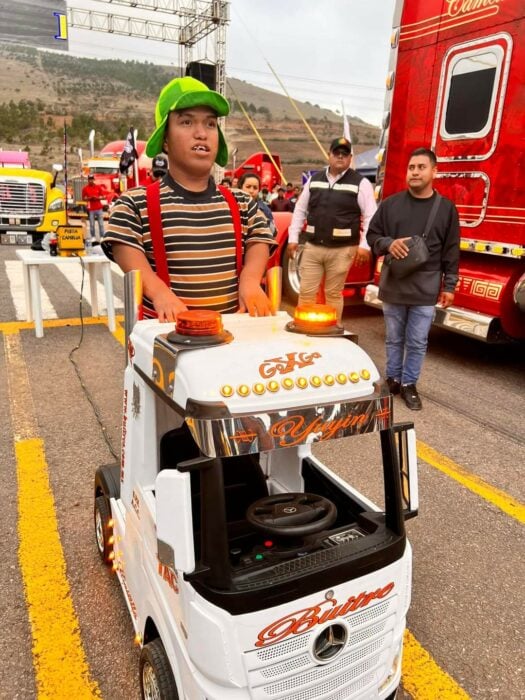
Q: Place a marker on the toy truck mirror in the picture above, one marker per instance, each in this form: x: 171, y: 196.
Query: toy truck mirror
x: 132, y: 303
x: 405, y: 436
x: 174, y: 520
x: 274, y: 278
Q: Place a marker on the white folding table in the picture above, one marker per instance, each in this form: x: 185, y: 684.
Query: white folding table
x: 33, y: 259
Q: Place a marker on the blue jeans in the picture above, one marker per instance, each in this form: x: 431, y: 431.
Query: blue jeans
x: 407, y: 329
x: 99, y: 216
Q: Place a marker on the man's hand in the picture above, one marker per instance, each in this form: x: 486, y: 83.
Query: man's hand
x: 292, y: 247
x: 445, y: 299
x: 167, y: 304
x: 252, y: 299
x: 362, y: 256
x: 399, y: 248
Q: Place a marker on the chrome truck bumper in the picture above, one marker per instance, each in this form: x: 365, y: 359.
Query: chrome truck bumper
x: 463, y: 321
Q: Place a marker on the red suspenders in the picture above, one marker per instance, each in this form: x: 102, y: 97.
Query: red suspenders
x: 237, y: 226
x: 155, y: 229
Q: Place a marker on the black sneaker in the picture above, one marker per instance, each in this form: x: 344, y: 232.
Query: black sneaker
x: 37, y: 245
x: 411, y: 397
x: 394, y: 385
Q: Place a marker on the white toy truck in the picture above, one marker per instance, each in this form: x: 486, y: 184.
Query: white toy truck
x: 250, y: 569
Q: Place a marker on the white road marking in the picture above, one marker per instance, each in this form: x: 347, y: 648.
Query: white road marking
x: 72, y: 273
x: 15, y: 277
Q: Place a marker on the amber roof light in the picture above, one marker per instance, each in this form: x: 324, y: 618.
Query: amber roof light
x: 199, y: 322
x: 315, y: 319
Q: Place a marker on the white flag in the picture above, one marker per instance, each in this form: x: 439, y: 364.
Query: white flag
x: 346, y: 124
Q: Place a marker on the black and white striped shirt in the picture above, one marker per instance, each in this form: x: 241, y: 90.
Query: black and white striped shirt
x: 199, y: 240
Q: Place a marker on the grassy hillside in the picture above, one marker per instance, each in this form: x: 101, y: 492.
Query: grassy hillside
x: 39, y: 91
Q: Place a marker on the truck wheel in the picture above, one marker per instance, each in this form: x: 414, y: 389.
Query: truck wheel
x: 156, y: 677
x: 103, y: 531
x: 291, y: 279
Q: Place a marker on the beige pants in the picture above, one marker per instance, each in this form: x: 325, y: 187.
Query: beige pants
x: 319, y: 261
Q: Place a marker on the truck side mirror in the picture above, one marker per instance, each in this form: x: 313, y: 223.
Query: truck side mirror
x: 175, y: 546
x: 405, y: 437
x: 57, y: 168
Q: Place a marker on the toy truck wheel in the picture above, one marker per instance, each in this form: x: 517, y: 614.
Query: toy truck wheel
x: 103, y: 530
x: 291, y: 279
x: 156, y: 677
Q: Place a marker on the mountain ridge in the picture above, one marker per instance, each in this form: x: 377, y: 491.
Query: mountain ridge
x: 42, y: 90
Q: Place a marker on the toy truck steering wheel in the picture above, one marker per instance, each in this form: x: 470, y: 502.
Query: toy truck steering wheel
x: 292, y: 514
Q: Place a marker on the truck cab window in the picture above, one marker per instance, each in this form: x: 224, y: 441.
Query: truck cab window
x: 472, y: 88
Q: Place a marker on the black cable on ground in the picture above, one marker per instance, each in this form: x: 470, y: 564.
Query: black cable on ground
x: 79, y: 375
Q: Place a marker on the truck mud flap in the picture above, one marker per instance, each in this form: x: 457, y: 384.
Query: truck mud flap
x: 107, y: 481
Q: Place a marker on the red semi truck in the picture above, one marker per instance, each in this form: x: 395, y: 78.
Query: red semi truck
x: 455, y: 84
x: 261, y: 165
x: 105, y: 169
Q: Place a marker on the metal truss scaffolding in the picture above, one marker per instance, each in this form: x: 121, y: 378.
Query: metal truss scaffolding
x: 181, y: 22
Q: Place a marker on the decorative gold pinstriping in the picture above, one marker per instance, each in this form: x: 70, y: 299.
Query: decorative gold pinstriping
x: 413, y: 31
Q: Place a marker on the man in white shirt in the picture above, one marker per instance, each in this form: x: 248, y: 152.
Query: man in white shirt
x: 337, y: 205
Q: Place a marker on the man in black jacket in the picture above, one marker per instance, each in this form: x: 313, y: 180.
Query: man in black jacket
x: 408, y: 303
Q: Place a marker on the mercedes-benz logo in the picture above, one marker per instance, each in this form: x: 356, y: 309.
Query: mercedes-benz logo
x: 330, y: 643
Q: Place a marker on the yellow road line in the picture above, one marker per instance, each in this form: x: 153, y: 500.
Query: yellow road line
x: 17, y: 326
x: 423, y: 678
x: 119, y: 333
x: 500, y: 499
x: 61, y: 668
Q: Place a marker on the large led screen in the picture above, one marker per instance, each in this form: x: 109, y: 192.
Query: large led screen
x: 34, y: 23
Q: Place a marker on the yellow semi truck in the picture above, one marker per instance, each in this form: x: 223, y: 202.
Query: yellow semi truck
x: 31, y: 204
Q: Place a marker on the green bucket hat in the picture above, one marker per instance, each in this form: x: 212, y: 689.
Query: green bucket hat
x: 183, y: 93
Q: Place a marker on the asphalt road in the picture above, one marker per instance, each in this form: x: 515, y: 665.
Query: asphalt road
x: 468, y: 594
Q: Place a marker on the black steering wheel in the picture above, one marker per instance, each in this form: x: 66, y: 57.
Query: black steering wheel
x: 292, y: 514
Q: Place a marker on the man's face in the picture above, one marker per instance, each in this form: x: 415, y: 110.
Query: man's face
x: 192, y: 140
x: 420, y: 174
x: 339, y: 160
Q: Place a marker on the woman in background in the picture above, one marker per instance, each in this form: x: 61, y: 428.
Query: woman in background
x: 251, y: 184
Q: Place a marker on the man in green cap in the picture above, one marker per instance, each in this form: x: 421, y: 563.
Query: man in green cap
x: 200, y: 250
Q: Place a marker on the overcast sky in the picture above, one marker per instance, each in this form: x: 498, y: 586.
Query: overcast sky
x: 324, y: 51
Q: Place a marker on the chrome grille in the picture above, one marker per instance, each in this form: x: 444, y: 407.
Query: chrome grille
x: 21, y: 198
x: 346, y: 668
x: 288, y: 669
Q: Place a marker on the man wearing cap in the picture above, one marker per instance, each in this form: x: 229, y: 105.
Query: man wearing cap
x: 93, y: 195
x: 159, y: 168
x: 197, y: 223
x: 337, y: 205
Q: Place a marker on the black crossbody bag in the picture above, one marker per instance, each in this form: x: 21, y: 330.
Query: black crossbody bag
x: 418, y: 252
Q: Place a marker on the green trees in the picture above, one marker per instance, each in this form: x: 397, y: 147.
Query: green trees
x: 19, y: 120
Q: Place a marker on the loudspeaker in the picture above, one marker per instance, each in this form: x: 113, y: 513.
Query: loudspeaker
x: 205, y: 72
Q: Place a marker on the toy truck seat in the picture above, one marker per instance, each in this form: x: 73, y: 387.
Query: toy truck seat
x: 243, y: 478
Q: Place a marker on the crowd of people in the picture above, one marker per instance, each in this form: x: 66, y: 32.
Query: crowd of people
x: 278, y: 199
x: 217, y: 261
